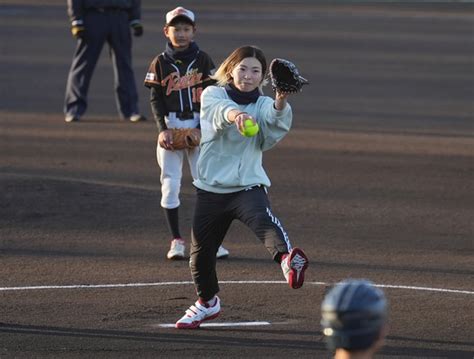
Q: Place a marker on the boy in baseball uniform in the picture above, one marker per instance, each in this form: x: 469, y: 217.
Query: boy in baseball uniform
x: 176, y: 79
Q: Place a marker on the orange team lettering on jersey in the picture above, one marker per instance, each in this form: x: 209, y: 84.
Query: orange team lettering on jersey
x: 173, y: 82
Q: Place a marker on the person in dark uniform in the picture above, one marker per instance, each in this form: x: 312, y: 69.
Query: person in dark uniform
x: 93, y: 23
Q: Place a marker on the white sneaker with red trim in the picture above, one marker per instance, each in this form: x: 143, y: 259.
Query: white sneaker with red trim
x: 294, y: 265
x: 198, y: 313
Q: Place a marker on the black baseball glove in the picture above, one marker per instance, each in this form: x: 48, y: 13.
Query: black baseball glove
x: 285, y: 77
x: 137, y: 28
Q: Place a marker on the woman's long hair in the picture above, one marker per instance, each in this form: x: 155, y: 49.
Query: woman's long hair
x: 223, y: 74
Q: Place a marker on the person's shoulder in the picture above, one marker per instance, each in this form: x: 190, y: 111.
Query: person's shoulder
x: 158, y: 58
x: 215, y: 91
x: 204, y: 55
x: 265, y: 100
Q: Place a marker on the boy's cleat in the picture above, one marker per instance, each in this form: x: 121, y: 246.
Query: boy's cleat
x: 176, y: 251
x: 71, y: 118
x: 198, y: 313
x: 293, y: 265
x: 222, y: 253
x: 137, y: 118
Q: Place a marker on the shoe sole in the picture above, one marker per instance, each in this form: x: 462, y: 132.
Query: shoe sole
x: 195, y: 325
x: 176, y: 258
x: 296, y: 277
x: 140, y: 119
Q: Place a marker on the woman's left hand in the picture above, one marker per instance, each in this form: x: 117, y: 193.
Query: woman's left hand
x: 280, y: 100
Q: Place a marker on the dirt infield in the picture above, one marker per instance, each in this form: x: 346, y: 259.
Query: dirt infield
x: 375, y: 180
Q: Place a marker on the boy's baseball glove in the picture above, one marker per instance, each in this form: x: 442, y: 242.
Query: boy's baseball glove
x: 186, y: 138
x: 285, y: 77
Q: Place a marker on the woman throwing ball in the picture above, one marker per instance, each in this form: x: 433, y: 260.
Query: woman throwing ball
x: 232, y: 183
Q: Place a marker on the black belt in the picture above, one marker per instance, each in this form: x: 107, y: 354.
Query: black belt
x: 185, y: 115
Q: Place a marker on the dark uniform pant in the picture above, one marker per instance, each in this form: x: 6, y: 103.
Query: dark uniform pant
x: 213, y: 215
x: 101, y: 26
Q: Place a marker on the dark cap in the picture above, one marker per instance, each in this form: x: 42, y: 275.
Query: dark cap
x: 353, y: 313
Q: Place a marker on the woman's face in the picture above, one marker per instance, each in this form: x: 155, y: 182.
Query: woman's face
x: 247, y: 75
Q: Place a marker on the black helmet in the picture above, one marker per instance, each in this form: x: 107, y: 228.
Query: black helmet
x: 352, y: 314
